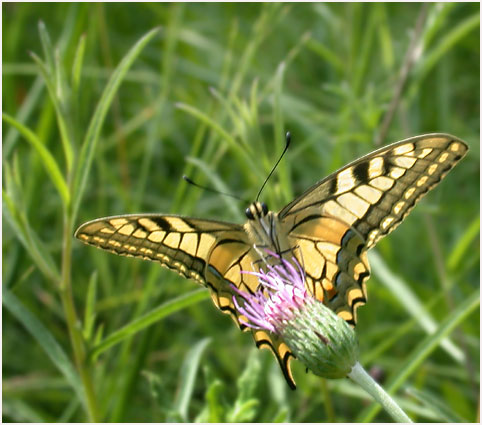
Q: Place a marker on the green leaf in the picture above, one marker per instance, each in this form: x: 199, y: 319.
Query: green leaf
x: 246, y: 405
x: 450, y: 39
x: 188, y: 377
x: 233, y: 114
x: 20, y: 411
x: 59, y: 109
x: 218, y: 184
x: 439, y: 407
x: 463, y: 245
x: 61, y: 89
x: 27, y: 107
x: 249, y: 379
x: 69, y: 411
x: 327, y: 55
x: 436, y: 19
x: 44, y: 338
x: 282, y: 416
x: 77, y: 65
x: 89, y: 317
x: 384, y: 35
x: 48, y: 161
x: 244, y: 412
x: 423, y: 350
x: 46, y: 46
x: 411, y: 303
x: 214, y: 408
x: 15, y: 214
x: 149, y: 318
x: 279, y: 134
x: 92, y: 136
x: 237, y: 148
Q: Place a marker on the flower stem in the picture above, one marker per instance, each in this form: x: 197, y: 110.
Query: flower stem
x: 362, y: 378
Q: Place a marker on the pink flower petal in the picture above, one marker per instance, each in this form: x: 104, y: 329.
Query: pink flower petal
x: 282, y: 291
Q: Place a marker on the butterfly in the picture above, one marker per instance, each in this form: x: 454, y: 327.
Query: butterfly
x: 329, y: 229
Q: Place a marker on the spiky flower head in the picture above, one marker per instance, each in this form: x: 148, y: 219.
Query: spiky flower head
x: 283, y: 305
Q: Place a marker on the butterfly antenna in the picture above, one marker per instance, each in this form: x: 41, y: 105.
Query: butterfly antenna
x: 288, y: 141
x: 209, y: 189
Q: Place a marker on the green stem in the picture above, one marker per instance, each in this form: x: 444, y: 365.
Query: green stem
x: 330, y: 411
x: 73, y: 321
x: 362, y: 378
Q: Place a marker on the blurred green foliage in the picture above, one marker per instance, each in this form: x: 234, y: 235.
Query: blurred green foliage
x: 211, y: 95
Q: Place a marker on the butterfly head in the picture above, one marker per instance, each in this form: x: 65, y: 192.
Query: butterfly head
x: 257, y: 210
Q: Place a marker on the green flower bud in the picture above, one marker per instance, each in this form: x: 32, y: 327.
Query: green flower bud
x: 321, y: 340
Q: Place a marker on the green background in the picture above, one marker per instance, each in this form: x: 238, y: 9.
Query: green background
x: 211, y: 95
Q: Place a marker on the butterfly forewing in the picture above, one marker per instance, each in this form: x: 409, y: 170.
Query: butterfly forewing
x: 175, y: 242
x: 374, y: 194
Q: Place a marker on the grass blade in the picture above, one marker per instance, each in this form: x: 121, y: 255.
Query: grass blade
x: 279, y: 134
x: 432, y: 402
x: 463, y: 244
x: 326, y: 55
x: 23, y: 114
x: 65, y: 130
x: 20, y: 411
x: 46, y: 340
x: 448, y: 41
x: 214, y: 409
x: 46, y: 46
x: 29, y: 240
x: 93, y: 131
x: 14, y: 211
x: 89, y: 316
x: 188, y: 377
x: 246, y: 405
x: 151, y: 317
x: 235, y: 146
x: 411, y: 303
x: 218, y: 185
x: 420, y: 353
x: 77, y: 65
x: 48, y: 161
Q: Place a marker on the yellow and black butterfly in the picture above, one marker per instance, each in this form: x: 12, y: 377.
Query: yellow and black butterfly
x: 329, y: 229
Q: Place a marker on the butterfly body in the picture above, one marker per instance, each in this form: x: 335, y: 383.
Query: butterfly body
x: 266, y: 233
x: 328, y: 229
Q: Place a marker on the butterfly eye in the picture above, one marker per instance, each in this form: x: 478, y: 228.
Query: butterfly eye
x: 249, y: 213
x: 264, y: 207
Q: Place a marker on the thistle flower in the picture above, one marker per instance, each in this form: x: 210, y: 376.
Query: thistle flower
x: 320, y: 339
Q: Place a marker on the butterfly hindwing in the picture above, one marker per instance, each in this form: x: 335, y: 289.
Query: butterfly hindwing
x: 280, y: 350
x: 334, y: 261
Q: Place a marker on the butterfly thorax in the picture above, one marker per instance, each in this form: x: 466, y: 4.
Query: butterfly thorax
x: 263, y: 227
